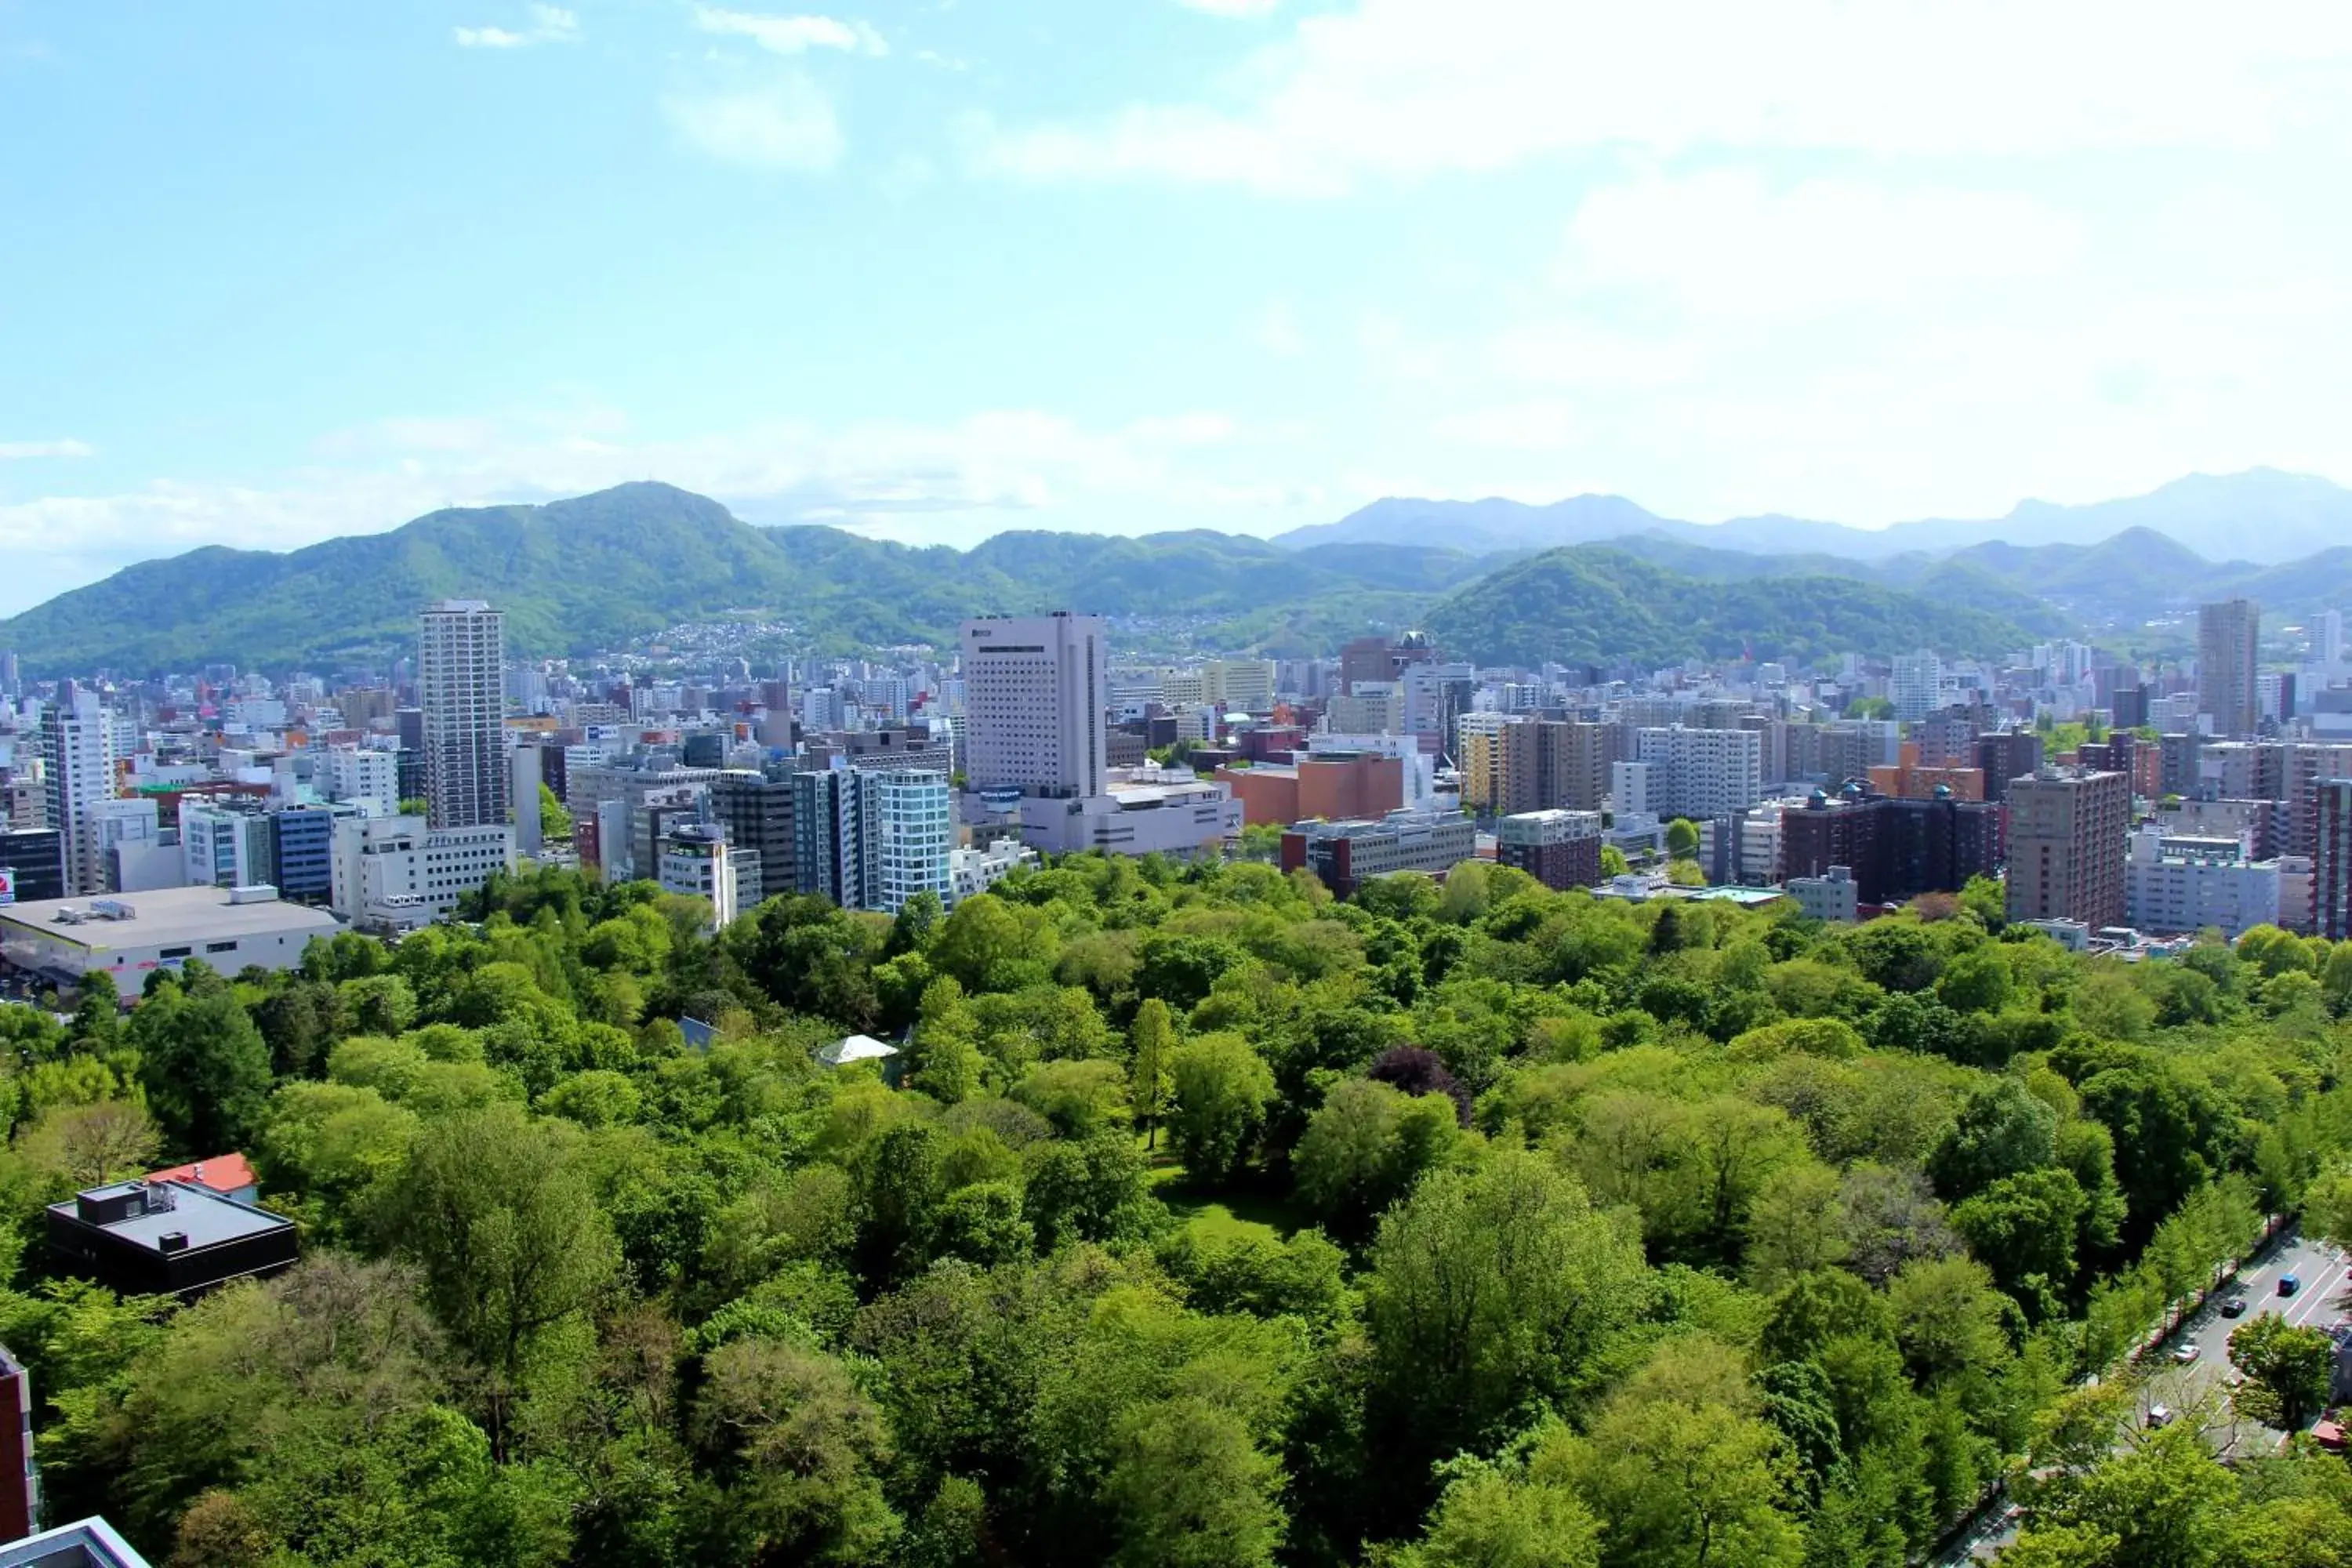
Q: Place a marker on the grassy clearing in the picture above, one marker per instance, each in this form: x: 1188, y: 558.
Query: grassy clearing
x: 1225, y: 1217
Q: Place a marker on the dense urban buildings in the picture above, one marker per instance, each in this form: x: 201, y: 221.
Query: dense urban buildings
x: 1892, y: 848
x: 693, y: 769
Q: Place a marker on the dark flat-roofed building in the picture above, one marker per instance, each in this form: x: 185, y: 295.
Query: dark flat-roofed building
x: 170, y: 1237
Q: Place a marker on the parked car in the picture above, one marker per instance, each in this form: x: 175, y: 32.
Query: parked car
x: 2289, y: 1284
x: 2185, y: 1355
x: 2235, y: 1307
x: 2159, y: 1415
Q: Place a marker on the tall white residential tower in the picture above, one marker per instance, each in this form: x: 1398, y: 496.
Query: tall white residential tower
x: 460, y: 653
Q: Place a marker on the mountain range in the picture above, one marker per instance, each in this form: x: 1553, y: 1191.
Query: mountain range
x: 596, y: 572
x: 2262, y: 513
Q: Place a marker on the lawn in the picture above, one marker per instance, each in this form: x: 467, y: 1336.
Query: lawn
x: 1223, y: 1216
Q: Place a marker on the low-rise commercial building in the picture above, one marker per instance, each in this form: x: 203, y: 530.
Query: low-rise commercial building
x: 1342, y: 854
x: 2174, y: 882
x: 1146, y: 811
x: 178, y: 1238
x: 1833, y: 895
x: 972, y: 871
x: 1333, y: 784
x: 89, y: 1543
x: 128, y: 939
x: 392, y: 874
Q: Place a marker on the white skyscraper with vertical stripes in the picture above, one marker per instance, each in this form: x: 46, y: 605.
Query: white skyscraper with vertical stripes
x: 460, y: 686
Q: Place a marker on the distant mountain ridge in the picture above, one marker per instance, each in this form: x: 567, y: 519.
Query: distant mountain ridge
x: 595, y: 571
x: 2263, y: 515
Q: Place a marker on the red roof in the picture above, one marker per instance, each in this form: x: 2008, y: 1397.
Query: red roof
x: 221, y: 1172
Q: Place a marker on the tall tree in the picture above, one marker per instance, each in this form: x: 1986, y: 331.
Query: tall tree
x: 1222, y: 1089
x: 2296, y: 1366
x: 205, y: 1066
x: 496, y: 1207
x: 1151, y: 1044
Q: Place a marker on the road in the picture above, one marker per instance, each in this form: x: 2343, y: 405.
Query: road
x: 2324, y: 1273
x: 2325, y: 1296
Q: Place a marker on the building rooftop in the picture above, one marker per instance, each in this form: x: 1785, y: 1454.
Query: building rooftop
x: 166, y: 915
x: 140, y: 1216
x: 222, y: 1173
x: 92, y: 1543
x: 856, y: 1048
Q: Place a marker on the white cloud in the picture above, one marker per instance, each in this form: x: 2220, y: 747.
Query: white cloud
x: 1279, y: 332
x: 787, y: 123
x: 550, y: 25
x: 1414, y: 88
x: 1728, y: 243
x: 1237, y: 8
x: 1867, y: 351
x: 1182, y: 430
x: 68, y: 448
x: 793, y: 34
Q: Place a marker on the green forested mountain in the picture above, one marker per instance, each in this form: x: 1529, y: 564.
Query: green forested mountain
x: 593, y: 572
x: 1594, y: 604
x: 1212, y: 1224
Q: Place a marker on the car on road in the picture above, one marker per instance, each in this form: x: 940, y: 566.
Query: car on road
x: 2289, y: 1284
x: 2187, y: 1354
x: 2235, y: 1307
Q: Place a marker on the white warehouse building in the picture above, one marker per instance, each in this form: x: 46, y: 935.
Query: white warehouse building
x: 128, y: 939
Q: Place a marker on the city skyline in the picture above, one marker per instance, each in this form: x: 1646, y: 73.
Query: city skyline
x: 1134, y: 267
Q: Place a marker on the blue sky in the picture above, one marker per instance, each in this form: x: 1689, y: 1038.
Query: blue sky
x: 273, y: 272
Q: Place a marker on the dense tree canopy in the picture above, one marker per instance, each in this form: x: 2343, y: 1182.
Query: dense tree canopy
x: 1211, y: 1223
